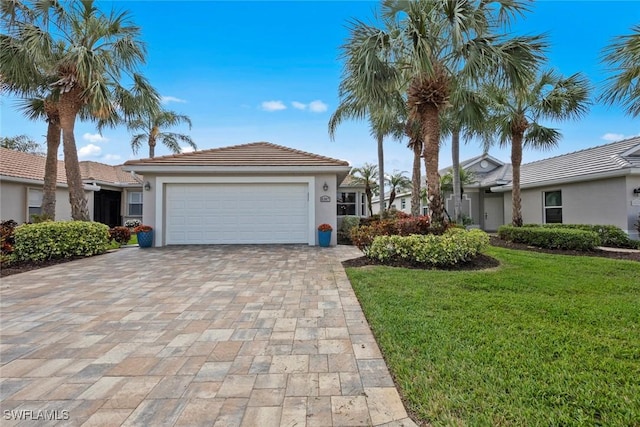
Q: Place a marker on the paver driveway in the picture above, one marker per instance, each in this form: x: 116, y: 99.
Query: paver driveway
x: 211, y: 335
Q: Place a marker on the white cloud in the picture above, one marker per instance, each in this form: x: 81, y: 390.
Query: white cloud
x: 317, y: 106
x: 187, y: 149
x: 111, y: 157
x: 273, y: 106
x: 613, y: 137
x: 168, y: 99
x: 299, y: 105
x: 94, y: 137
x: 89, y: 151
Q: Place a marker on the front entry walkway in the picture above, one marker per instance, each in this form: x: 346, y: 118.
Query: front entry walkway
x: 192, y: 336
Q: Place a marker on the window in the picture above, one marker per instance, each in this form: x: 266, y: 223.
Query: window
x: 134, y: 203
x: 363, y: 205
x: 553, y: 207
x: 346, y: 203
x: 425, y: 210
x: 403, y: 203
x: 35, y: 202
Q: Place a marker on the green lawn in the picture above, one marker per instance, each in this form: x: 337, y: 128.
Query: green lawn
x: 542, y: 340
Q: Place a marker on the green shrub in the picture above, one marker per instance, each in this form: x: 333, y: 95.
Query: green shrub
x: 551, y: 237
x: 344, y: 233
x: 453, y: 247
x: 610, y: 235
x: 404, y: 225
x: 60, y: 239
x: 120, y: 234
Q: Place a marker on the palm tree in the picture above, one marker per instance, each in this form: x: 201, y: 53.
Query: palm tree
x: 516, y: 118
x: 151, y: 125
x: 397, y: 182
x: 368, y: 95
x: 436, y: 45
x: 367, y: 175
x: 84, y: 55
x: 448, y: 181
x: 21, y: 143
x: 623, y: 56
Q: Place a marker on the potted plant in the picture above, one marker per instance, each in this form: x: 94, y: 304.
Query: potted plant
x: 145, y: 235
x: 324, y: 235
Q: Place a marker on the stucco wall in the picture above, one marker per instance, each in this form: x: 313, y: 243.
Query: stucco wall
x: 13, y: 202
x: 604, y: 202
x: 633, y: 206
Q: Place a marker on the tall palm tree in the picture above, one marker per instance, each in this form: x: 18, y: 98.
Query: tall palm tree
x: 434, y: 45
x: 516, y: 116
x: 365, y: 95
x: 85, y: 54
x: 397, y: 182
x: 367, y: 175
x: 623, y: 57
x: 414, y: 133
x: 151, y: 125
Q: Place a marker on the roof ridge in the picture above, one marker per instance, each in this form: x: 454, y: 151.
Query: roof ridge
x: 583, y: 150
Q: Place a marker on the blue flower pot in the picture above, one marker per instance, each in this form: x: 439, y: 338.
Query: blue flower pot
x: 145, y: 239
x: 324, y: 238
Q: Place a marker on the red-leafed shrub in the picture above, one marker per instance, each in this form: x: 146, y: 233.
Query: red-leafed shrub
x: 405, y: 225
x: 120, y: 234
x: 7, y: 239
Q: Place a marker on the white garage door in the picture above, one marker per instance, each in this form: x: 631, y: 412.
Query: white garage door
x: 236, y: 213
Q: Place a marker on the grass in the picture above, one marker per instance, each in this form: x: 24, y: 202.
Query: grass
x: 132, y: 241
x: 542, y: 340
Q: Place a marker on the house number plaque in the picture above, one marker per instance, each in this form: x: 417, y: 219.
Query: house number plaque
x: 325, y: 198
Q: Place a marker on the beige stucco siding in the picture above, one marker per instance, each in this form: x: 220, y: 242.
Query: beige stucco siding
x: 633, y: 205
x: 13, y: 201
x: 593, y: 202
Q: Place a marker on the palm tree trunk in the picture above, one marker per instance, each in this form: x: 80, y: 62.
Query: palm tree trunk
x: 516, y: 161
x: 380, y: 138
x: 369, y: 193
x: 152, y: 148
x: 416, y: 177
x: 455, y: 162
x: 431, y: 135
x: 68, y: 107
x: 392, y: 198
x: 51, y: 166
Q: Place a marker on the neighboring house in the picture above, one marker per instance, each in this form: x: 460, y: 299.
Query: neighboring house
x: 242, y: 194
x: 113, y: 195
x: 598, y: 185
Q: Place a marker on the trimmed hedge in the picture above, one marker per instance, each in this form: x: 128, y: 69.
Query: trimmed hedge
x: 610, y: 235
x: 551, y: 237
x: 60, y: 239
x: 453, y: 247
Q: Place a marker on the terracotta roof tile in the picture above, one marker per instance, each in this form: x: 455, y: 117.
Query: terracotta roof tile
x: 26, y: 165
x: 252, y: 154
x: 30, y: 166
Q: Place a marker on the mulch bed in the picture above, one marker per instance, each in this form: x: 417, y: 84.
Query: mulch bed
x: 483, y: 262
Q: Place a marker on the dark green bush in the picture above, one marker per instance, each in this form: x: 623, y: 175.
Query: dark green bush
x: 120, y: 234
x: 344, y: 232
x: 60, y: 239
x: 610, y: 235
x: 551, y: 237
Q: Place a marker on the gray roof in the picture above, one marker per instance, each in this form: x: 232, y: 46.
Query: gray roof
x: 584, y: 164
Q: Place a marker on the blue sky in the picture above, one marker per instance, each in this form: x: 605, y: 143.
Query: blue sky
x: 269, y: 71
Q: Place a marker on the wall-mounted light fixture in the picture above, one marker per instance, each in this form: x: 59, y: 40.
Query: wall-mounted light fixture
x: 147, y: 186
x: 325, y: 187
x: 636, y: 191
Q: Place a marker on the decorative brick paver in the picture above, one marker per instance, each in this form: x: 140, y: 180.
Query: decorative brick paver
x: 192, y: 336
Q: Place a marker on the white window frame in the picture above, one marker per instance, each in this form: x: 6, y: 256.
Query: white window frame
x: 545, y: 207
x: 32, y: 204
x: 354, y: 203
x: 403, y: 203
x: 363, y: 204
x: 131, y: 202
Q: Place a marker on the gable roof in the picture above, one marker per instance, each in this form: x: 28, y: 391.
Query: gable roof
x: 252, y: 154
x: 30, y: 167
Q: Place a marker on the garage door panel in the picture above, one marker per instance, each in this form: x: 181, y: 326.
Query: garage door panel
x: 237, y: 213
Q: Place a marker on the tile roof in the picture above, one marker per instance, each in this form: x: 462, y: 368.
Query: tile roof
x: 349, y: 181
x: 594, y: 160
x: 252, y: 154
x: 31, y: 166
